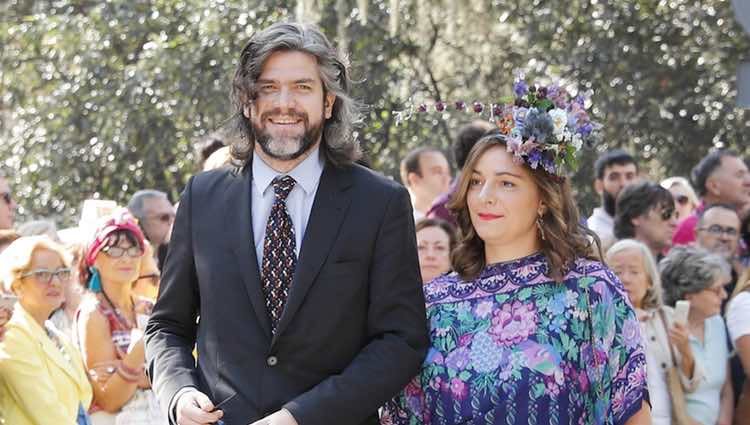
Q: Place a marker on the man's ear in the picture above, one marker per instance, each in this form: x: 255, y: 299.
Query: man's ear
x: 328, y: 102
x: 247, y: 110
x: 599, y: 186
x: 712, y: 186
x: 412, y: 179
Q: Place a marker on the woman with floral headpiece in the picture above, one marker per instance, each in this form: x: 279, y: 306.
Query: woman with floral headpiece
x: 529, y: 328
x: 109, y: 324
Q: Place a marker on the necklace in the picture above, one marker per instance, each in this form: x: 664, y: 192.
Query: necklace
x: 124, y: 321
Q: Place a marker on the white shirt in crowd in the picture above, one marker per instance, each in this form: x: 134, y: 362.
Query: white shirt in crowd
x: 603, y: 225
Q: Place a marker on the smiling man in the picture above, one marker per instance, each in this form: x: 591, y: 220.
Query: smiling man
x: 301, y: 264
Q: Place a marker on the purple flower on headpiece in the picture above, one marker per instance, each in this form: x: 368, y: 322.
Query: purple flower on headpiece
x: 534, y: 157
x: 586, y: 129
x: 440, y: 106
x: 460, y: 105
x: 519, y: 116
x: 422, y: 107
x: 497, y: 110
x: 478, y: 107
x: 520, y: 88
x: 580, y: 100
x: 548, y: 164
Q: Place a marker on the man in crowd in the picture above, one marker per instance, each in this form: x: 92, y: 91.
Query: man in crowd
x: 426, y: 174
x: 645, y: 211
x: 721, y: 177
x: 302, y: 265
x: 467, y: 137
x: 7, y: 205
x: 718, y: 230
x: 614, y: 170
x: 155, y: 215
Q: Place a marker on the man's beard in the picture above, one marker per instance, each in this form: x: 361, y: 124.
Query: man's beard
x: 287, y: 148
x: 608, y: 203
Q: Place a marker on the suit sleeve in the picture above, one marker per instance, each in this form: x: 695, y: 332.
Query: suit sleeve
x: 171, y: 330
x: 396, y: 330
x: 29, y: 384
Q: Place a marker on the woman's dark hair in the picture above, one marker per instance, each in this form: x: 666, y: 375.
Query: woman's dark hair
x: 113, y: 239
x: 565, y: 238
x: 636, y: 200
x: 442, y: 224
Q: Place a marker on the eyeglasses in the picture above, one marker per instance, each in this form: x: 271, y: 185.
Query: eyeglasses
x: 682, y: 199
x: 667, y: 213
x: 153, y: 277
x: 6, y: 197
x: 164, y: 218
x: 118, y: 252
x: 718, y: 230
x: 45, y: 275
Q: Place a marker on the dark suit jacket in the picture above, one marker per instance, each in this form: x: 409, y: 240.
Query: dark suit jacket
x: 353, y: 331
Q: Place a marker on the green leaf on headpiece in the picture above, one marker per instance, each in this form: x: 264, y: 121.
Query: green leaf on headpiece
x: 545, y: 105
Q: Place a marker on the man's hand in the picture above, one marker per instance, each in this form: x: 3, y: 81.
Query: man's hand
x: 282, y: 417
x: 195, y: 408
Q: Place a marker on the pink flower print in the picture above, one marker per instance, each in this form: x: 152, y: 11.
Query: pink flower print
x: 583, y: 382
x: 459, y: 389
x: 483, y: 309
x: 465, y: 340
x: 436, y: 383
x: 513, y: 323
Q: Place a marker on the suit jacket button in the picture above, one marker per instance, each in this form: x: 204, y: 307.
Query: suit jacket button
x: 271, y: 361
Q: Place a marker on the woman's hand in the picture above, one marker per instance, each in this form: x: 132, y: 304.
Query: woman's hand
x: 679, y: 337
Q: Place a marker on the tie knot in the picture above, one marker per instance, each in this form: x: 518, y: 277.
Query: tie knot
x: 282, y: 186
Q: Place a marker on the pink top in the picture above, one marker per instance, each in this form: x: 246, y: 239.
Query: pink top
x: 685, y: 233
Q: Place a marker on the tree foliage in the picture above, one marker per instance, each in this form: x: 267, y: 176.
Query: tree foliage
x: 101, y: 98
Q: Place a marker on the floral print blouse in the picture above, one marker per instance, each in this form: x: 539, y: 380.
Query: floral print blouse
x: 515, y: 347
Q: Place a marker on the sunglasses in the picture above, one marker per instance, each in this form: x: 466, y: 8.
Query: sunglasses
x: 6, y: 197
x: 45, y: 275
x: 666, y: 214
x: 682, y: 199
x: 164, y: 218
x: 118, y: 252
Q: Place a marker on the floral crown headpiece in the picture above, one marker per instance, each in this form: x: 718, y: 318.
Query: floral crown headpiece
x: 543, y: 126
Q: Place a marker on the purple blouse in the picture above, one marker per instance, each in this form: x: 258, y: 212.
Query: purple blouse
x: 515, y: 347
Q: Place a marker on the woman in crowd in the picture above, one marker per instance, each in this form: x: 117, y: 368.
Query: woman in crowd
x: 738, y: 325
x: 435, y: 241
x: 524, y: 329
x: 109, y: 336
x: 634, y: 265
x: 685, y: 199
x: 42, y: 378
x: 693, y: 274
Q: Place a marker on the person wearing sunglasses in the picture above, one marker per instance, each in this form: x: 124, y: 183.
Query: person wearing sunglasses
x: 7, y: 205
x: 646, y: 212
x: 155, y: 215
x: 42, y: 376
x: 685, y: 199
x: 108, y: 324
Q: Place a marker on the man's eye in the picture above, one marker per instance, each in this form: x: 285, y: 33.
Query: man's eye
x: 508, y: 184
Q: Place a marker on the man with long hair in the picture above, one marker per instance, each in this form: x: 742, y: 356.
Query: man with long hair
x: 297, y: 273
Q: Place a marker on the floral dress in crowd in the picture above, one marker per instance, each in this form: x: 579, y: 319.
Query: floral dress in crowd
x: 515, y: 347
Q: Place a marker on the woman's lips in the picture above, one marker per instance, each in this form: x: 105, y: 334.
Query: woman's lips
x: 489, y: 217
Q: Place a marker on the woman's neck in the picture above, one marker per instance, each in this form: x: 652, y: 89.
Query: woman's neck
x: 120, y: 295
x: 696, y: 324
x: 498, y: 253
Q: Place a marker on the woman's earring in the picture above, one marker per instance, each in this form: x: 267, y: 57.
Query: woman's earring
x: 541, y: 229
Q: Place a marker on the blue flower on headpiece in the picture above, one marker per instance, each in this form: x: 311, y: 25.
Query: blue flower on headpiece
x: 538, y: 125
x: 534, y: 157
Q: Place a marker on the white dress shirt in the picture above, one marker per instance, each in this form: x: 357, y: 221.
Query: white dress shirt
x: 299, y: 203
x: 603, y: 225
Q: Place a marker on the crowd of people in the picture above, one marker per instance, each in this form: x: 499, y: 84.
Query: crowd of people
x: 488, y: 299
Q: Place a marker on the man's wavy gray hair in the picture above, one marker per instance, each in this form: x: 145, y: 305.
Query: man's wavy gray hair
x: 339, y: 144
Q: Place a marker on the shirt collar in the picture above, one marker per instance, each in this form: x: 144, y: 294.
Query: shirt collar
x: 306, y: 174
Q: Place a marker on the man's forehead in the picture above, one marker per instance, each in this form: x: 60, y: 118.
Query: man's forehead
x: 157, y: 203
x: 290, y: 65
x: 723, y: 216
x: 620, y: 168
x: 4, y: 185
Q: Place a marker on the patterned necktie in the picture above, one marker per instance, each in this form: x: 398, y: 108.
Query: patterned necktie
x: 279, y: 258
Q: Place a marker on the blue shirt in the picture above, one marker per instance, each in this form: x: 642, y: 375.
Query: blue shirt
x: 299, y: 202
x: 703, y: 404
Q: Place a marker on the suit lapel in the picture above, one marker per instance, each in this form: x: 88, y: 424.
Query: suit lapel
x: 329, y: 209
x: 239, y: 230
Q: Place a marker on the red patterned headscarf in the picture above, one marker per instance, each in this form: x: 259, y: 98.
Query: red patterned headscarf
x: 121, y: 219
